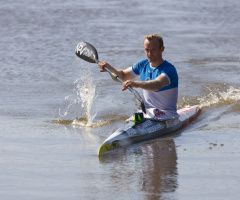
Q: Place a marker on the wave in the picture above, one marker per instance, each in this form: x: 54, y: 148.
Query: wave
x: 84, y: 123
x: 78, y: 109
x: 216, y: 98
x: 217, y: 95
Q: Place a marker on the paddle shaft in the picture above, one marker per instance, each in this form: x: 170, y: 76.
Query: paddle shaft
x: 120, y: 80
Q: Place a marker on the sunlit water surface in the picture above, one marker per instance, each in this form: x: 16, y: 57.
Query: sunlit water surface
x: 56, y: 109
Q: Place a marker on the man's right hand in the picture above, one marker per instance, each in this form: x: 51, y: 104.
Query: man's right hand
x: 102, y: 65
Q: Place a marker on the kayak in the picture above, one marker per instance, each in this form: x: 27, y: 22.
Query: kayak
x: 147, y: 129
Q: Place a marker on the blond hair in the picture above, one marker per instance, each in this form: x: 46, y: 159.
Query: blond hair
x: 154, y: 36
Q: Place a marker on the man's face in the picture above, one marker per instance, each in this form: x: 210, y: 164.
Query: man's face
x: 152, y: 50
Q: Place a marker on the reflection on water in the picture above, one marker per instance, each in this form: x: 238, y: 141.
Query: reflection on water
x: 157, y: 172
x: 159, y: 169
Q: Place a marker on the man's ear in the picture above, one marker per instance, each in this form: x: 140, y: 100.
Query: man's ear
x: 162, y: 48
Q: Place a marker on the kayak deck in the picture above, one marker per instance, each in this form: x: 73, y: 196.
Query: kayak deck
x: 147, y: 129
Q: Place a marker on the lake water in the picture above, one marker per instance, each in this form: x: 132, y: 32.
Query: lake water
x: 56, y: 109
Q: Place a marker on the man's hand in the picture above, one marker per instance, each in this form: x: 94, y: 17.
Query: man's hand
x: 102, y: 66
x: 129, y: 83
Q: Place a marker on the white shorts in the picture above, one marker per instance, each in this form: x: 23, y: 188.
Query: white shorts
x: 156, y: 114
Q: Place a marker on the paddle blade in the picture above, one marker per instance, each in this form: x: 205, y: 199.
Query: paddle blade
x: 87, y: 52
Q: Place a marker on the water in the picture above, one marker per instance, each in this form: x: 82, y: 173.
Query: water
x: 56, y: 109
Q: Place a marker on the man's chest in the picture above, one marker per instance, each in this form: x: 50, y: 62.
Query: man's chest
x: 149, y: 74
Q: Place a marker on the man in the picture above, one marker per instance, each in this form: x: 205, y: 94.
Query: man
x: 159, y: 79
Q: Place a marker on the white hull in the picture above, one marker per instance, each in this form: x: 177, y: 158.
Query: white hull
x: 147, y: 129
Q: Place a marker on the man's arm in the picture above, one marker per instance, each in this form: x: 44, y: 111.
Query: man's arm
x: 123, y: 74
x: 151, y: 85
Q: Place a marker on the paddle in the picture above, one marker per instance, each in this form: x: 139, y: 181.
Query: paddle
x: 88, y: 53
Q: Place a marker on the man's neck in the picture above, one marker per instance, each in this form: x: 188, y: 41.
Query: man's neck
x: 156, y: 63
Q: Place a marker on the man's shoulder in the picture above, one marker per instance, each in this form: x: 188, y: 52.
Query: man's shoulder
x: 143, y: 62
x: 167, y: 64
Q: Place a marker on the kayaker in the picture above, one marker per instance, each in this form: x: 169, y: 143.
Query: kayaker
x: 159, y: 79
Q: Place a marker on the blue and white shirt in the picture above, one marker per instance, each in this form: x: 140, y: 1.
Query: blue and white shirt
x: 164, y: 99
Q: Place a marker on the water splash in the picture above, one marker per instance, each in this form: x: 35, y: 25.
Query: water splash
x: 79, y: 104
x: 86, y: 95
x: 78, y: 108
x: 216, y: 97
